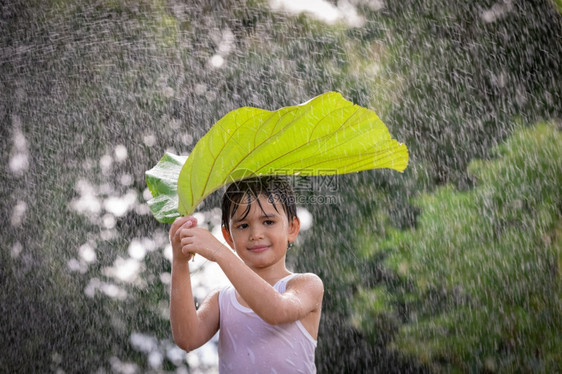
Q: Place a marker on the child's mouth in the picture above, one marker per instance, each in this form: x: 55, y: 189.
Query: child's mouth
x: 258, y: 249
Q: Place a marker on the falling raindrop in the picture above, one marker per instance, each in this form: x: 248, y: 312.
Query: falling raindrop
x: 18, y: 214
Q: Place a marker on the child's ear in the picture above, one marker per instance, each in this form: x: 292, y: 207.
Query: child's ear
x: 227, y: 237
x: 294, y: 228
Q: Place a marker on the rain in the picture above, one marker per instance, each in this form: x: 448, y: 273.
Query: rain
x: 453, y: 265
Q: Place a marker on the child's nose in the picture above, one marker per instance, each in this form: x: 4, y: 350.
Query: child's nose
x: 256, y: 233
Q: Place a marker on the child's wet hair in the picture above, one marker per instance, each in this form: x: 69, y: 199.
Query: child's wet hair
x: 278, y: 191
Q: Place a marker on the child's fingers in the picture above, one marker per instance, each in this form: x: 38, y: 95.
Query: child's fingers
x: 184, y: 230
x: 178, y: 222
x: 190, y: 221
x: 193, y: 221
x: 187, y: 252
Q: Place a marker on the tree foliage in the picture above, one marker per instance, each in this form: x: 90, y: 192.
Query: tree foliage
x: 478, y: 281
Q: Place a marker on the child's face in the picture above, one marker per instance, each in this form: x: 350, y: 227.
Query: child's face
x: 262, y: 236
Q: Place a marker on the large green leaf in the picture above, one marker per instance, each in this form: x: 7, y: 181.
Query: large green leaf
x: 162, y: 181
x: 324, y: 136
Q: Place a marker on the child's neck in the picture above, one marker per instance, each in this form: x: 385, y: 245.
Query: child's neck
x: 272, y: 274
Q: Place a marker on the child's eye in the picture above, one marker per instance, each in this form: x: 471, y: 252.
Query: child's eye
x: 268, y: 222
x: 242, y: 226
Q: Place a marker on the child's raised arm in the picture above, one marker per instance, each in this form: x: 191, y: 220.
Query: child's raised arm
x: 191, y: 328
x: 303, y: 297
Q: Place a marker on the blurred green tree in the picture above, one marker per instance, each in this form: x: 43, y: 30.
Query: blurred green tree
x: 477, y: 284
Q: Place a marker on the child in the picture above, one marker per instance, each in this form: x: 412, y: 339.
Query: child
x: 269, y: 319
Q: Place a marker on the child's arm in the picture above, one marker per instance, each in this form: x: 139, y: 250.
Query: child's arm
x: 191, y: 328
x: 302, y: 297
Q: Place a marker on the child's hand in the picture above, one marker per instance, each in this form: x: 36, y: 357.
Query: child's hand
x: 201, y: 241
x: 175, y: 240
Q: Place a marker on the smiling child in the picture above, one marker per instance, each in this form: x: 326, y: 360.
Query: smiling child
x: 268, y: 319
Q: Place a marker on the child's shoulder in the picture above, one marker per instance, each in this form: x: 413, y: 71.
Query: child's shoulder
x: 306, y: 280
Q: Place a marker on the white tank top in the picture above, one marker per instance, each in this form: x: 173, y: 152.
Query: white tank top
x: 247, y: 344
